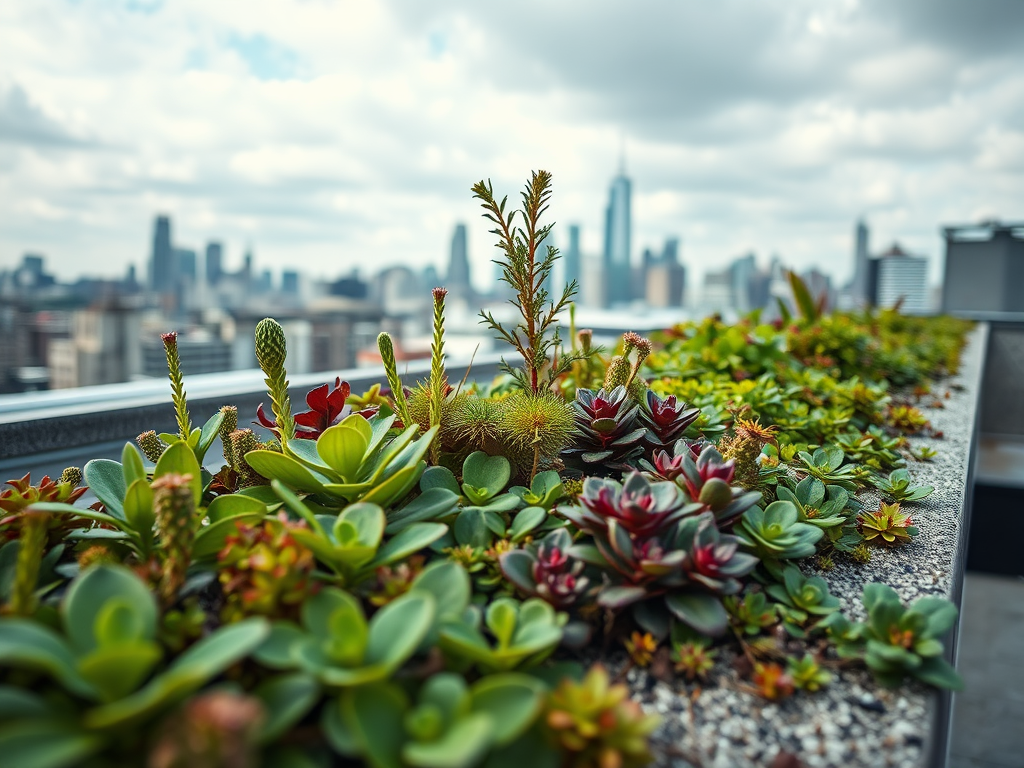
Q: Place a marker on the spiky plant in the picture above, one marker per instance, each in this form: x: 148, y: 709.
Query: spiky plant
x: 624, y: 369
x: 227, y: 426
x: 31, y: 546
x: 170, y: 341
x: 151, y: 445
x: 271, y: 351
x: 387, y: 356
x: 527, y: 271
x: 748, y: 439
x: 175, y: 521
x: 538, y: 426
x: 437, y: 384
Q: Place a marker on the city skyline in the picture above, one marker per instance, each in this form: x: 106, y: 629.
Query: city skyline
x: 326, y: 134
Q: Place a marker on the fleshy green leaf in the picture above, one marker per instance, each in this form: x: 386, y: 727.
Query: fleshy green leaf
x: 179, y: 459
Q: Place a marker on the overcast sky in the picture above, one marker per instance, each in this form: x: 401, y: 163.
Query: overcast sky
x: 330, y: 135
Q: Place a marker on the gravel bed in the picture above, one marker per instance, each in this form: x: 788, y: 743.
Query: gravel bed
x: 853, y: 721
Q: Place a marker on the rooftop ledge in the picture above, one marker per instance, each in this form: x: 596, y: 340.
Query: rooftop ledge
x: 852, y: 722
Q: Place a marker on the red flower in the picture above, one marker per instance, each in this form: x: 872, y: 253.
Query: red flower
x: 325, y: 410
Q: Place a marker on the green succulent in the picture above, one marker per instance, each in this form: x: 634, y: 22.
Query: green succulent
x: 351, y: 461
x: 899, y: 488
x: 545, y: 490
x: 826, y: 464
x: 521, y: 634
x: 802, y: 600
x: 897, y: 640
x: 447, y: 724
x: 337, y: 645
x: 750, y: 614
x: 807, y: 674
x: 775, y: 533
x: 352, y: 543
x: 106, y: 653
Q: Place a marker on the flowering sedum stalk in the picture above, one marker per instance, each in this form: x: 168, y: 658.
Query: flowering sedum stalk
x: 271, y: 351
x: 175, y: 521
x: 177, y: 384
x: 387, y: 356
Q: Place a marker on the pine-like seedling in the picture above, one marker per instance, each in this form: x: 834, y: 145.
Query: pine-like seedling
x: 527, y: 271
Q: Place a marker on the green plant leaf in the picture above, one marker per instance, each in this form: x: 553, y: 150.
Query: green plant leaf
x: 938, y: 672
x: 276, y: 649
x: 373, y: 716
x: 131, y: 465
x: 89, y: 594
x: 435, y: 503
x: 180, y: 460
x: 139, y: 513
x: 189, y: 672
x: 211, y: 539
x: 117, y: 670
x: 440, y: 477
x: 18, y: 704
x: 24, y: 643
x: 286, y: 700
x: 701, y: 611
x: 207, y: 435
x: 233, y: 505
x: 526, y: 521
x: 47, y: 744
x: 485, y: 475
x: 512, y: 700
x: 105, y: 479
x: 397, y: 629
x: 342, y: 448
x: 408, y: 541
x: 449, y: 583
x: 461, y: 746
x: 277, y: 466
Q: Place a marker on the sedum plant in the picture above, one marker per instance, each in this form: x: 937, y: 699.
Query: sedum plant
x: 802, y: 601
x: 887, y: 526
x: 775, y: 533
x: 337, y: 645
x: 608, y: 431
x: 898, y: 487
x: 545, y: 569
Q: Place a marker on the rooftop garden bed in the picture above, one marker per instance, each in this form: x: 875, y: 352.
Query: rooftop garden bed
x: 723, y: 545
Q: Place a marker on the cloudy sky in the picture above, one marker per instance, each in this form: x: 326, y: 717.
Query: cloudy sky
x: 330, y: 135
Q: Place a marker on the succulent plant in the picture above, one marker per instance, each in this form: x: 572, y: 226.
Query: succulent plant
x: 775, y: 533
x: 351, y: 461
x: 353, y: 545
x: 708, y: 479
x: 826, y: 464
x: 744, y: 448
x: 751, y: 614
x: 104, y: 654
x: 667, y: 420
x: 899, y: 488
x: 641, y: 647
x: 175, y: 513
x: 802, y: 600
x: 22, y: 494
x: 544, y: 569
x: 271, y: 351
x: 263, y: 570
x: 596, y: 724
x: 807, y: 674
x: 524, y: 634
x: 213, y: 729
x: 448, y: 724
x: 608, y: 430
x: 641, y: 507
x: 771, y: 681
x: 545, y: 489
x: 693, y: 659
x: 907, y: 418
x: 887, y: 526
x: 337, y: 645
x: 897, y: 640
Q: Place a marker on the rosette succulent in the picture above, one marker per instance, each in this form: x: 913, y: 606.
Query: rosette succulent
x: 666, y: 420
x: 802, y: 600
x: 775, y: 533
x: 641, y: 507
x: 708, y: 479
x: 609, y: 433
x: 544, y: 569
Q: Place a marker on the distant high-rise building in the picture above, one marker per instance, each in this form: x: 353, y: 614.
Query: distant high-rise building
x: 860, y: 288
x: 618, y: 241
x: 662, y: 280
x: 214, y: 263
x: 186, y: 260
x: 744, y: 275
x: 458, y: 281
x: 984, y: 268
x: 163, y: 272
x: 896, y: 277
x: 290, y: 281
x: 571, y: 260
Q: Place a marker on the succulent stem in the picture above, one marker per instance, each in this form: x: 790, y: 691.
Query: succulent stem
x: 438, y: 379
x: 387, y: 356
x: 229, y: 425
x: 271, y: 351
x: 31, y: 544
x: 177, y: 384
x: 175, y: 520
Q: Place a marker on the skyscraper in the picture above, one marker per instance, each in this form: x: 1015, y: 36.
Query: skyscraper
x: 214, y: 263
x: 163, y: 272
x: 571, y: 257
x: 860, y: 288
x: 901, y: 279
x: 618, y: 241
x: 458, y: 265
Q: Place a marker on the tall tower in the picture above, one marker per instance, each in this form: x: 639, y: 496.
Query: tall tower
x: 458, y: 266
x: 163, y: 272
x: 860, y: 286
x: 214, y: 263
x: 571, y: 258
x: 618, y: 240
